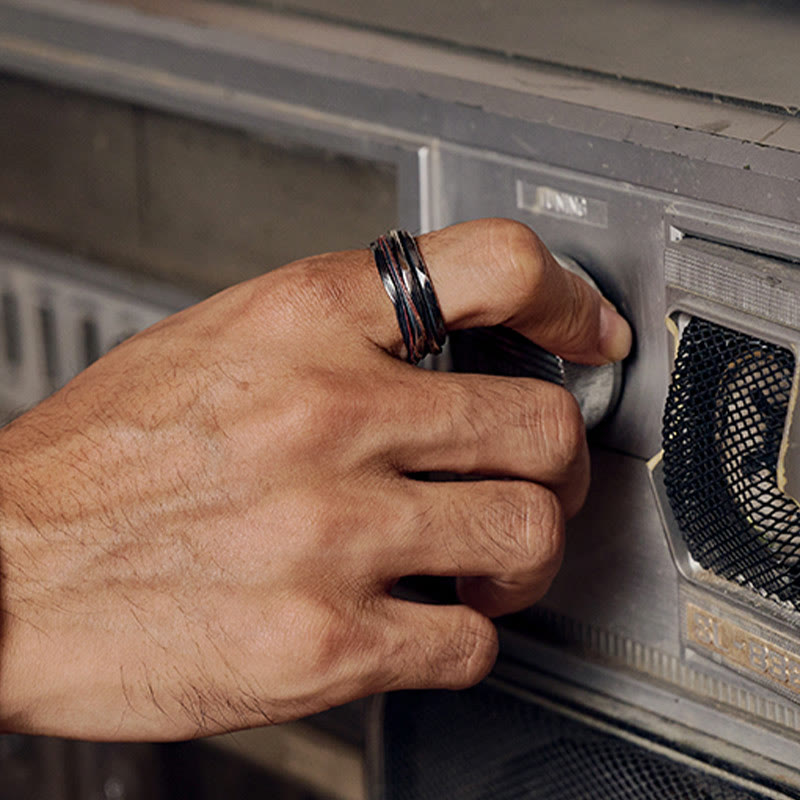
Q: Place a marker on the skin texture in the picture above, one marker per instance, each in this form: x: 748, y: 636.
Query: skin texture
x: 201, y: 531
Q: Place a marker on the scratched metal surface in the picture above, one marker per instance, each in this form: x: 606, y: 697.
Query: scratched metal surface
x: 740, y: 49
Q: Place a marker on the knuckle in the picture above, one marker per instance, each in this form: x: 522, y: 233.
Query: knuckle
x: 549, y: 418
x: 539, y: 531
x: 523, y: 252
x: 462, y: 410
x: 312, y: 283
x: 457, y: 403
x: 473, y: 653
x: 342, y: 405
x: 324, y: 412
x: 301, y: 415
x: 517, y: 237
x: 547, y: 534
x: 522, y: 527
x: 499, y: 534
x: 337, y: 635
x: 454, y: 657
x: 293, y: 297
x: 565, y: 433
x: 267, y: 302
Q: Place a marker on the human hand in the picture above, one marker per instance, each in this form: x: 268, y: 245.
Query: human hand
x: 201, y: 531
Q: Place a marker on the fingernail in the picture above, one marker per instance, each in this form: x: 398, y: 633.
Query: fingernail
x: 615, y: 333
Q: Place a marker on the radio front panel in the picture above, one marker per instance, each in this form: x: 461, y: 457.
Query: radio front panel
x: 613, y: 230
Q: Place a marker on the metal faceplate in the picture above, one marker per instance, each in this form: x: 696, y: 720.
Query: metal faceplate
x: 603, y: 171
x: 662, y: 42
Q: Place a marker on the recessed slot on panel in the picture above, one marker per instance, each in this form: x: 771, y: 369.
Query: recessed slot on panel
x: 12, y: 335
x: 47, y: 330
x: 90, y: 341
x: 747, y: 283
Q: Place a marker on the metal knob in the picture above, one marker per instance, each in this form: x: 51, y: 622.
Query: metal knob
x: 501, y: 351
x: 596, y: 389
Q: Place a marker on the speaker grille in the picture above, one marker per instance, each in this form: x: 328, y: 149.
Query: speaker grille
x: 723, y: 425
x: 483, y: 744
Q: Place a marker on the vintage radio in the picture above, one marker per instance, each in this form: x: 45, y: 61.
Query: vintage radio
x: 653, y: 144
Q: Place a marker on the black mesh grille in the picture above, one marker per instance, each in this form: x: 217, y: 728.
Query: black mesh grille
x: 723, y: 426
x: 483, y: 744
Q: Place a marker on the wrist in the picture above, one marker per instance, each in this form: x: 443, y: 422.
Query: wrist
x: 25, y: 594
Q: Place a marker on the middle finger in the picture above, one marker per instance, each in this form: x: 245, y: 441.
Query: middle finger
x: 494, y: 426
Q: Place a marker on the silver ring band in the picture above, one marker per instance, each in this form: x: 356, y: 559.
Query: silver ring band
x: 408, y: 283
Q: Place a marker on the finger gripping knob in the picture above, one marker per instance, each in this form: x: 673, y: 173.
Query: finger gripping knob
x: 501, y: 351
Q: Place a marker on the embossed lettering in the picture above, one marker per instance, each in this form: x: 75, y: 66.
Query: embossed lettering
x: 703, y: 627
x: 776, y: 665
x: 757, y: 654
x: 561, y: 203
x: 793, y: 675
x: 741, y: 649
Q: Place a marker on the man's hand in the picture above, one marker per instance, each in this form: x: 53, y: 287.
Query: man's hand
x: 201, y: 531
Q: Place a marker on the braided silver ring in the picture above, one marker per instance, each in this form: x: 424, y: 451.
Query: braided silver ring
x: 408, y: 283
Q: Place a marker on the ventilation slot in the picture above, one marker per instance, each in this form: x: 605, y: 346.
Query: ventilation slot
x: 90, y: 341
x: 55, y: 322
x: 47, y: 329
x: 12, y: 333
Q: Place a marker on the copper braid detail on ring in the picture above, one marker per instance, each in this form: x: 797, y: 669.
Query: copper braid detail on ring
x: 408, y: 283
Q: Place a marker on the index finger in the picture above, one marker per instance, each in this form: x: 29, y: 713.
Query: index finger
x: 498, y: 272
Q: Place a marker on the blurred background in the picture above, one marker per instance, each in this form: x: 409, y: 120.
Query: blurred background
x: 132, y: 213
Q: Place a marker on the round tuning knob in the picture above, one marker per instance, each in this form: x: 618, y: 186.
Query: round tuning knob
x: 501, y: 351
x: 596, y: 389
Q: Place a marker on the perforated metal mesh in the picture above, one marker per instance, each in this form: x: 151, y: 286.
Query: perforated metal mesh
x: 723, y: 426
x: 483, y: 744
